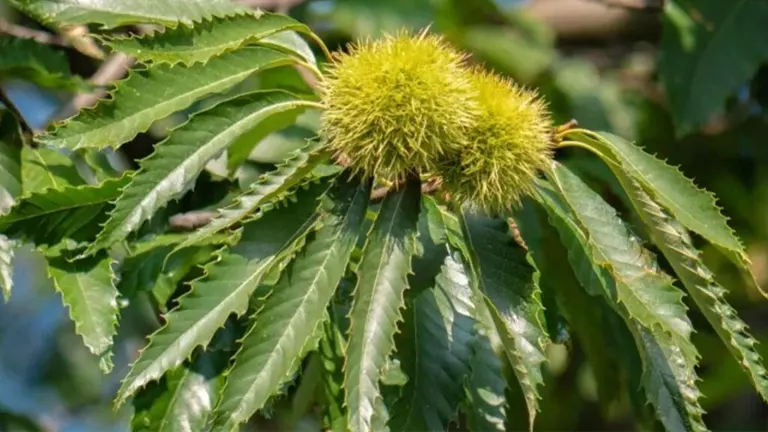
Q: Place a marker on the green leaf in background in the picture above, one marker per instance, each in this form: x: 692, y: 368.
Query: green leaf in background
x: 10, y: 160
x: 188, y: 45
x: 668, y: 376
x: 271, y: 187
x: 677, y: 247
x: 7, y: 247
x: 382, y: 281
x: 288, y: 320
x: 524, y: 49
x: 177, y: 161
x: 183, y: 400
x: 223, y: 290
x: 115, y: 13
x: 150, y: 95
x: 363, y: 18
x: 45, y: 168
x: 435, y: 346
x: 29, y: 60
x: 695, y: 208
x: 709, y: 49
x: 87, y: 288
x: 48, y: 216
x: 509, y: 285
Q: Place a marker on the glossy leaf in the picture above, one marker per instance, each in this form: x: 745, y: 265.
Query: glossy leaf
x: 509, y: 284
x: 114, y: 13
x: 434, y: 347
x: 695, y: 208
x: 201, y: 42
x: 288, y: 320
x: 648, y: 294
x: 45, y: 168
x: 10, y: 161
x: 586, y: 315
x: 382, y: 280
x: 7, y: 247
x: 271, y: 187
x: 87, y: 288
x: 331, y: 348
x: 47, y: 217
x: 177, y: 161
x: 677, y: 247
x: 223, y: 290
x: 668, y: 377
x: 183, y: 400
x: 709, y: 49
x: 147, y: 96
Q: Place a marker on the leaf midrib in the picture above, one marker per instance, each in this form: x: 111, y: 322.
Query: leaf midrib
x: 84, y: 203
x: 198, y: 92
x: 382, y: 259
x: 208, y: 151
x: 308, y: 293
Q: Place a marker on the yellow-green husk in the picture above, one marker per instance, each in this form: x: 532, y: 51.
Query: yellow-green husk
x: 397, y: 105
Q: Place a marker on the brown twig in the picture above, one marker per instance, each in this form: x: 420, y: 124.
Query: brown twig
x: 190, y: 221
x: 429, y: 187
x: 28, y: 33
x: 113, y: 68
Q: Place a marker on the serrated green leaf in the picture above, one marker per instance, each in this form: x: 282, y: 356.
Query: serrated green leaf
x: 382, y: 280
x: 331, y: 348
x: 150, y: 95
x: 669, y: 381
x: 668, y: 370
x: 177, y: 161
x: 286, y: 323
x: 434, y: 348
x: 29, y: 60
x: 709, y: 49
x: 7, y: 247
x: 223, y: 290
x: 485, y: 388
x: 10, y: 161
x: 648, y: 294
x: 201, y: 42
x: 509, y: 284
x: 147, y: 268
x: 271, y: 186
x: 585, y: 316
x: 45, y: 168
x: 183, y: 400
x: 48, y: 216
x: 676, y: 245
x: 87, y: 288
x: 115, y: 13
x: 289, y: 41
x: 695, y: 208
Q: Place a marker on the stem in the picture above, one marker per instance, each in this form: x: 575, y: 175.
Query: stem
x: 591, y: 149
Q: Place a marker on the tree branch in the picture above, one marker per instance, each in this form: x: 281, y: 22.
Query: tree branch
x: 27, y: 33
x: 113, y: 68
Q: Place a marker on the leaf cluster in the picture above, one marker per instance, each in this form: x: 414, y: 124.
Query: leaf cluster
x: 414, y: 312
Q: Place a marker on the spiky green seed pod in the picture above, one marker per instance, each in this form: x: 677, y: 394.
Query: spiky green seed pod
x: 397, y: 105
x: 508, y: 146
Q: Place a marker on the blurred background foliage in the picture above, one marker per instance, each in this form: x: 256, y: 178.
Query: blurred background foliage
x: 686, y: 79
